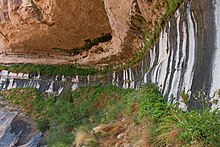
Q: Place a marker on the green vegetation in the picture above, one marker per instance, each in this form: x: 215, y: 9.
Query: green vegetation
x: 152, y: 37
x: 194, y: 128
x: 71, y: 70
x: 88, y: 45
x: 30, y: 100
x: 87, y: 105
x: 67, y: 70
x: 60, y: 116
x: 171, y: 7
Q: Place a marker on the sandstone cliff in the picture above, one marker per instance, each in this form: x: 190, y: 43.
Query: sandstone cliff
x: 74, y: 32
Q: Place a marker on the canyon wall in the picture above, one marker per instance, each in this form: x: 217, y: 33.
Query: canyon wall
x: 37, y: 26
x: 81, y: 32
x: 185, y: 60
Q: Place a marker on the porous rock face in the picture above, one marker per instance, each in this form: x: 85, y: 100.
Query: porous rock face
x: 48, y: 31
x: 34, y: 27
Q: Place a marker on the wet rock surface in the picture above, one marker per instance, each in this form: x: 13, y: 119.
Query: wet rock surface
x: 16, y: 129
x: 185, y: 59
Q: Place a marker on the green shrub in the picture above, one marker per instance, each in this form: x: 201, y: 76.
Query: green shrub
x: 171, y: 7
x: 90, y: 106
x: 86, y: 105
x: 151, y: 103
x: 66, y: 70
x: 43, y: 124
x: 29, y: 100
x: 194, y: 128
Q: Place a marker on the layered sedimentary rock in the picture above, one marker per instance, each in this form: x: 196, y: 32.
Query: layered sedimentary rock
x: 17, y: 132
x: 186, y: 59
x: 74, y: 32
x: 35, y: 27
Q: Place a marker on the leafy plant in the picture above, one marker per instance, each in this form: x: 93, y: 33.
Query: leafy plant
x: 29, y: 100
x: 185, y: 97
x: 151, y: 103
x: 171, y: 6
x: 90, y: 106
x: 150, y: 38
x: 194, y: 128
x: 43, y: 124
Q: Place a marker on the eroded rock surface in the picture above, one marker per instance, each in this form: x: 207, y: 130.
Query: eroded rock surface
x: 16, y: 129
x: 35, y: 26
x: 55, y: 32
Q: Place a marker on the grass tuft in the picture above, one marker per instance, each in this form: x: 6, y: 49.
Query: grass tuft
x: 90, y: 106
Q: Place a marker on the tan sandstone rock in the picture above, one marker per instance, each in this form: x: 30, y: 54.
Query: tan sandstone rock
x: 56, y: 31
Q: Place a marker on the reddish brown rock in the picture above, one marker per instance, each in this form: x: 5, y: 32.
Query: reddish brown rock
x: 55, y: 32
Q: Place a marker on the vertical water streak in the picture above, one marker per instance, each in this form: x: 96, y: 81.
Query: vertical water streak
x: 172, y: 69
x: 188, y: 76
x: 152, y: 57
x: 50, y: 89
x: 216, y: 68
x: 131, y: 78
x: 170, y: 61
x: 163, y: 60
x: 159, y: 71
x: 177, y: 71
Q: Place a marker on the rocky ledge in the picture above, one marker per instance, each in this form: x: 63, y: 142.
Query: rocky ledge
x: 16, y: 129
x: 75, y: 32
